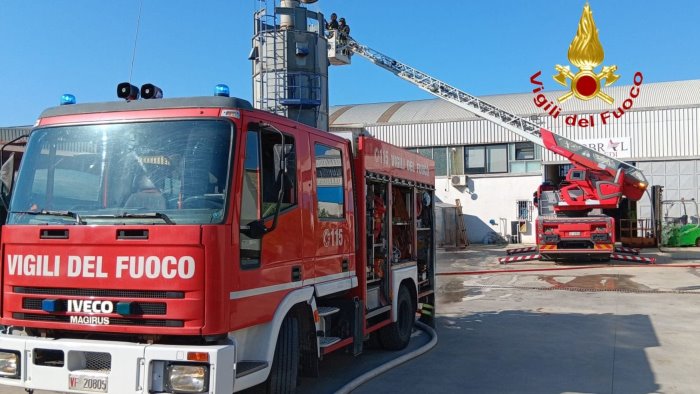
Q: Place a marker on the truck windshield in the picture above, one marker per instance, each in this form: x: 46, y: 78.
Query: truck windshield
x: 167, y: 172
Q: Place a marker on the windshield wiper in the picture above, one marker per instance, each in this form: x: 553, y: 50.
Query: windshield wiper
x: 158, y: 215
x: 127, y: 215
x: 70, y: 214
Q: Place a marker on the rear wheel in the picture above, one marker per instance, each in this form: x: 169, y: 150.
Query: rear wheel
x: 697, y: 242
x: 396, y: 335
x: 285, y: 365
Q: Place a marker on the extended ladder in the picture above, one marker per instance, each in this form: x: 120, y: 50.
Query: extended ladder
x: 514, y: 123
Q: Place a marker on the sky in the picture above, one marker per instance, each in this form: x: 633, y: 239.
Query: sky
x: 52, y: 47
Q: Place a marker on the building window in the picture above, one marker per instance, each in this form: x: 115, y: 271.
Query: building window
x: 522, y: 157
x: 497, y: 158
x: 448, y: 160
x: 425, y: 152
x: 524, y: 210
x: 440, y: 158
x: 474, y: 160
x: 486, y: 159
x: 525, y: 158
x: 456, y: 160
x: 524, y: 151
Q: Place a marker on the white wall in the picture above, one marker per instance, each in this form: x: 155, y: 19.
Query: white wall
x: 489, y: 197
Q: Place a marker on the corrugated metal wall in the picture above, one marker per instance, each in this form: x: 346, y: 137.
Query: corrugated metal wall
x: 654, y: 134
x: 10, y: 133
x: 680, y: 179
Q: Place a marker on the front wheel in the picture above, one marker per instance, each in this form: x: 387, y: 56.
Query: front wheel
x: 396, y: 335
x: 285, y: 365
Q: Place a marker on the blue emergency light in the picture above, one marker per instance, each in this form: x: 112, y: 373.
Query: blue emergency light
x: 124, y: 308
x: 221, y: 90
x: 67, y: 99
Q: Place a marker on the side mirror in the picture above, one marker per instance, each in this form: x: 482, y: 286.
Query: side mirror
x: 256, y: 229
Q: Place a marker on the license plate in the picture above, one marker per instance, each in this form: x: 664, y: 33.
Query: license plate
x: 574, y: 233
x: 97, y: 384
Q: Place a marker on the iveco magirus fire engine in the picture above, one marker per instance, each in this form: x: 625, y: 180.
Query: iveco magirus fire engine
x: 193, y: 245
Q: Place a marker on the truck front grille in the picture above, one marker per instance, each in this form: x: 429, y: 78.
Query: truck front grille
x: 99, y: 292
x: 138, y: 308
x: 113, y: 321
x: 98, y: 361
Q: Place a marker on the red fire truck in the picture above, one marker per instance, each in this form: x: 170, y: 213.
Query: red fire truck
x: 200, y: 245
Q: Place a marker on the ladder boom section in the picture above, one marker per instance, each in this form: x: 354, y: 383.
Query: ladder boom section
x: 573, y: 151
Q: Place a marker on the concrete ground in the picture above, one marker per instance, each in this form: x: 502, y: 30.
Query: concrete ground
x: 537, y: 327
x: 619, y: 329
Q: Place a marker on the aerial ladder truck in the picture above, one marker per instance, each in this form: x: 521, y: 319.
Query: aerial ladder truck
x: 566, y: 227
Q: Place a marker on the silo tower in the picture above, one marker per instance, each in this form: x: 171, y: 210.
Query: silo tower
x: 290, y: 63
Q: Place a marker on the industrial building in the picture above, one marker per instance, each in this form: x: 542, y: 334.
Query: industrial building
x: 494, y: 173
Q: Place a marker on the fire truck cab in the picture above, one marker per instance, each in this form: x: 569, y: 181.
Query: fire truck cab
x: 200, y: 245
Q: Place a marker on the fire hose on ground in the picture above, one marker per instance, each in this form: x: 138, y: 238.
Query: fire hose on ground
x: 369, y: 375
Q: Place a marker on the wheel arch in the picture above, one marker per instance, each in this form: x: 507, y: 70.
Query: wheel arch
x: 407, y: 276
x: 258, y: 343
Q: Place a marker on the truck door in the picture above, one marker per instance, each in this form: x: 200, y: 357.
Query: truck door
x: 272, y: 262
x: 333, y: 210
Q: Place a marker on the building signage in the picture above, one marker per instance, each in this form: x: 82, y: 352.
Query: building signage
x: 618, y: 147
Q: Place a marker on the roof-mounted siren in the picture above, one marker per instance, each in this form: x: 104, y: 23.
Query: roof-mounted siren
x: 151, y: 91
x: 222, y: 90
x: 127, y: 91
x: 67, y: 99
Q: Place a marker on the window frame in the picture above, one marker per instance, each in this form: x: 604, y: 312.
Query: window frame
x: 343, y: 216
x: 97, y: 218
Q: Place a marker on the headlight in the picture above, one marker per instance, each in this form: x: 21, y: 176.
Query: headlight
x: 188, y: 378
x: 9, y: 362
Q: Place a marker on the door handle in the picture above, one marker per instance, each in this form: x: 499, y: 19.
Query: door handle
x: 296, y: 274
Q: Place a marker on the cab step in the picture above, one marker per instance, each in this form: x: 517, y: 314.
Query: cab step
x: 328, y: 341
x: 324, y: 311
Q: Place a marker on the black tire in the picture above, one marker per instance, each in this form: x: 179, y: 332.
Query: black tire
x: 396, y: 335
x: 697, y: 242
x: 285, y: 365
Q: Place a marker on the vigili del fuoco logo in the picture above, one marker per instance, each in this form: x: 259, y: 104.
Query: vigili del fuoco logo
x: 586, y: 53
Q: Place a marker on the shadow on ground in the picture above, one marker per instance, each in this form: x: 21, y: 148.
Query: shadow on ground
x: 340, y: 367
x: 526, y: 352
